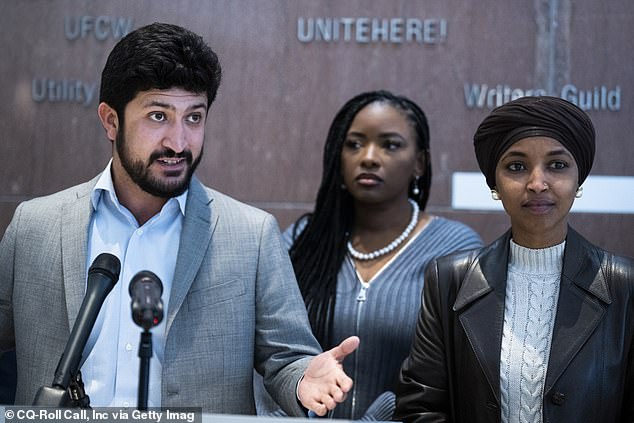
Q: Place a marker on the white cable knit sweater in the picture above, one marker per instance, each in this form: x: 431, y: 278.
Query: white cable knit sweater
x: 529, y: 315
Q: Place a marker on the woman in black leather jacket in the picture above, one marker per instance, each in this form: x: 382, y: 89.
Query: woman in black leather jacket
x: 539, y: 325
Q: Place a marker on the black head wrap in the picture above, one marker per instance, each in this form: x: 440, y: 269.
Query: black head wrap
x: 529, y: 117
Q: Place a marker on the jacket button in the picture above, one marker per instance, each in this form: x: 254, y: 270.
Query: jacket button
x: 558, y: 398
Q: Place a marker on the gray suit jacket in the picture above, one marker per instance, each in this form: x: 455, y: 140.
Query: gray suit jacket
x: 234, y: 303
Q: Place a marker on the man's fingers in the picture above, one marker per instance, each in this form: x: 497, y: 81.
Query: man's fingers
x: 329, y: 402
x: 325, y: 403
x: 319, y: 409
x: 337, y: 394
x: 345, y: 383
x: 346, y: 347
x: 325, y: 384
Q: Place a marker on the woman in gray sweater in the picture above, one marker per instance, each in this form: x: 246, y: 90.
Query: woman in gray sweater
x: 359, y: 257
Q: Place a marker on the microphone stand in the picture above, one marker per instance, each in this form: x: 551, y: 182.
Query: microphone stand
x: 145, y: 353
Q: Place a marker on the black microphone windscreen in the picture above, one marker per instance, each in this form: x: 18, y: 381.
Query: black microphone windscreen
x: 145, y: 276
x: 106, y: 263
x: 147, y: 307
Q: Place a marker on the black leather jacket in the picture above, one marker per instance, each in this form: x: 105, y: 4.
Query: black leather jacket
x: 453, y: 370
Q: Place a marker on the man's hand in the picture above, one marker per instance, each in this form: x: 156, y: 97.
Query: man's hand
x: 325, y: 384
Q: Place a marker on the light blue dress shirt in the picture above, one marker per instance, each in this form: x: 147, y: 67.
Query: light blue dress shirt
x: 111, y: 367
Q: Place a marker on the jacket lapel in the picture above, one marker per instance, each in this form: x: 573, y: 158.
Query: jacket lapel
x: 74, y: 239
x: 482, y: 298
x: 198, y: 226
x: 583, y: 300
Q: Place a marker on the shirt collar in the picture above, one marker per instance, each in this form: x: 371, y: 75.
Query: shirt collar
x: 105, y: 186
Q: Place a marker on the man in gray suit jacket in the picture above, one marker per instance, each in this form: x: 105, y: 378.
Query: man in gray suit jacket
x: 231, y: 299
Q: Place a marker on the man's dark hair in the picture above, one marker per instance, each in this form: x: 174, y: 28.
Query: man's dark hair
x: 158, y: 56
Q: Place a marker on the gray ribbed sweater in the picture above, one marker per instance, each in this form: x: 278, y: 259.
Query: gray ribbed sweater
x: 384, y: 317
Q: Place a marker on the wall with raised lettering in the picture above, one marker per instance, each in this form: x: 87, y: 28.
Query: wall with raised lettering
x: 290, y: 64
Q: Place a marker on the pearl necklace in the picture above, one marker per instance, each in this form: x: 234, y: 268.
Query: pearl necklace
x: 392, y: 246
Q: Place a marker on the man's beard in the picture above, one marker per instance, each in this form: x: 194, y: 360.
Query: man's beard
x: 140, y: 172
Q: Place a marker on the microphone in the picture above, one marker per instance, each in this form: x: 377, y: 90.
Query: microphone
x: 147, y: 311
x: 102, y: 277
x: 147, y: 307
x: 103, y: 274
